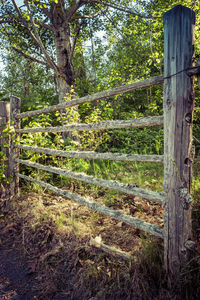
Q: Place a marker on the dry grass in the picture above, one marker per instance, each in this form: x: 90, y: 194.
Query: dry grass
x: 53, y: 234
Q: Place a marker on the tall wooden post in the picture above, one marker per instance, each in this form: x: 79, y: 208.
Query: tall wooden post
x: 178, y: 112
x: 4, y: 123
x: 15, y: 104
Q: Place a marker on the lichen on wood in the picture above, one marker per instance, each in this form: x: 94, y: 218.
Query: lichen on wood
x: 94, y: 155
x: 97, y: 96
x: 131, y: 123
x: 116, y: 214
x: 111, y: 184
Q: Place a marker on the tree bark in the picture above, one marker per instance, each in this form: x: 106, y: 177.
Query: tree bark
x: 65, y: 76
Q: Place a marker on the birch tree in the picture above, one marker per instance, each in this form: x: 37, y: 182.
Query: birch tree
x: 63, y: 21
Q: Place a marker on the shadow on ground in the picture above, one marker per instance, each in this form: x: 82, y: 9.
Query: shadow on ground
x: 15, y: 282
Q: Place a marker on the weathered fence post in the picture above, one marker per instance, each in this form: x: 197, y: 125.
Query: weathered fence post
x: 14, y: 152
x: 178, y: 112
x: 4, y: 123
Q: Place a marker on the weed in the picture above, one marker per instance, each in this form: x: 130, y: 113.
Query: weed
x: 61, y: 220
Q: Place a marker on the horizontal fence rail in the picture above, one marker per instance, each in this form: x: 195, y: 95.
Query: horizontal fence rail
x: 95, y: 155
x: 112, y: 184
x: 116, y: 214
x: 131, y: 123
x: 97, y: 96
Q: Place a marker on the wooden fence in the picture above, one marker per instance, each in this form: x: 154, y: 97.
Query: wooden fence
x: 177, y: 120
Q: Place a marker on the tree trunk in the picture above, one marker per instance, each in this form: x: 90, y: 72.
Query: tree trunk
x: 65, y: 76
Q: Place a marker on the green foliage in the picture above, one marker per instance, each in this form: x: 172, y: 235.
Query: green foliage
x: 90, y: 140
x: 3, y: 166
x: 30, y: 82
x: 138, y: 141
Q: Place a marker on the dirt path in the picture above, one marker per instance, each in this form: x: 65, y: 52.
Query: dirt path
x: 15, y: 282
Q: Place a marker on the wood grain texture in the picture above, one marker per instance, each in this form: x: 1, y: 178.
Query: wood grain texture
x: 94, y: 155
x: 97, y: 96
x: 116, y: 214
x: 178, y: 112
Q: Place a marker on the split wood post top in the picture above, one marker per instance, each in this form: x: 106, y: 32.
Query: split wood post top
x: 178, y: 111
x: 4, y: 112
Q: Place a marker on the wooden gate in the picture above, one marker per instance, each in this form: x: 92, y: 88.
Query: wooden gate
x: 178, y: 105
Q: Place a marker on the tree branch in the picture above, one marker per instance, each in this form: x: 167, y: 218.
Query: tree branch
x: 75, y: 40
x: 124, y: 9
x: 57, y: 11
x: 30, y: 57
x: 73, y: 10
x: 86, y: 16
x: 3, y: 20
x: 17, y: 10
x: 193, y: 4
x: 39, y: 41
x: 25, y: 23
x: 43, y: 8
x: 44, y: 25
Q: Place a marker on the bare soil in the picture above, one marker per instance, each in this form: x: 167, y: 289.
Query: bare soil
x: 15, y: 282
